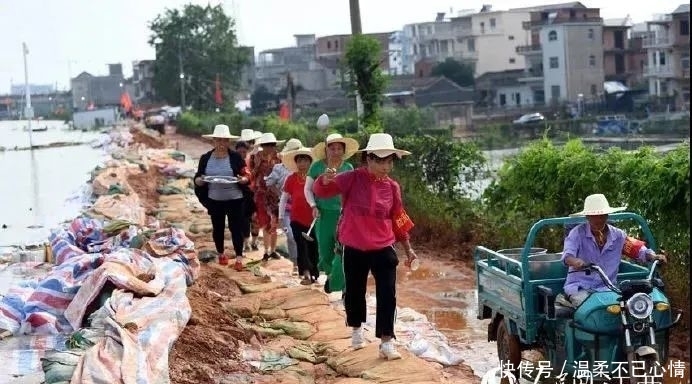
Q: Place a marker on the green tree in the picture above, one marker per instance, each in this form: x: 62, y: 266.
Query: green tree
x: 363, y: 57
x: 261, y: 99
x: 201, y: 41
x: 460, y: 73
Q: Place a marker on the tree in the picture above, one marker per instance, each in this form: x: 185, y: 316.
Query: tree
x: 261, y: 99
x: 460, y: 73
x: 363, y: 56
x: 200, y: 42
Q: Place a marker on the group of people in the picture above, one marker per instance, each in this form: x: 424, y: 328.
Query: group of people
x: 338, y: 219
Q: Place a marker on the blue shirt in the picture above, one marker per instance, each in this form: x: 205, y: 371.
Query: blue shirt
x: 581, y: 244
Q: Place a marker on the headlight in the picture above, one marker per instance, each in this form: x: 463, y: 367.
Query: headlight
x: 640, y: 305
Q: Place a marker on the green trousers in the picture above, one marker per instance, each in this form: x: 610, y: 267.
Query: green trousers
x: 330, y: 261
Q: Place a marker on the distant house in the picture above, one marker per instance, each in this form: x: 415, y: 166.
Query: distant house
x: 98, y: 91
x: 503, y: 89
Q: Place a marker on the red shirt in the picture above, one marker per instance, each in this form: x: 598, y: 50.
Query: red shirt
x: 373, y: 216
x: 300, y: 209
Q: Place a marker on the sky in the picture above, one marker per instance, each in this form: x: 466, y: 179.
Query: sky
x: 66, y: 37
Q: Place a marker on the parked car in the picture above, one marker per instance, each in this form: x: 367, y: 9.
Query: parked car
x: 530, y: 118
x: 155, y: 119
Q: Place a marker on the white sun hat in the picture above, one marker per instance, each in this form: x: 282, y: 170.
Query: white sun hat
x: 351, y: 146
x: 382, y: 145
x: 292, y: 145
x: 249, y: 135
x: 268, y: 138
x: 597, y: 204
x: 289, y: 158
x: 221, y: 131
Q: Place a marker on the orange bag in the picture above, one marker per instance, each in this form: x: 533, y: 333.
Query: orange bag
x: 632, y: 247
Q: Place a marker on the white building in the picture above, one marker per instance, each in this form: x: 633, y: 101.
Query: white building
x: 397, y: 65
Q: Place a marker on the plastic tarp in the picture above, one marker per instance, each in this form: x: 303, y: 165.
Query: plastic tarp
x: 143, y: 317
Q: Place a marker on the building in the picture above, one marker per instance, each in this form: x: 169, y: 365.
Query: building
x: 247, y: 74
x: 99, y: 91
x: 503, y: 89
x: 143, y: 81
x: 334, y: 47
x: 429, y: 41
x: 563, y: 53
x: 623, y: 53
x: 274, y: 65
x: 397, y: 65
x: 668, y: 56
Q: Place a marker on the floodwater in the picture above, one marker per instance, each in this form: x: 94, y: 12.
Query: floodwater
x: 43, y: 187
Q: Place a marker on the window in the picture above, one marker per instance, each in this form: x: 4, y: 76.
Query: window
x: 336, y: 44
x: 510, y: 37
x: 684, y: 26
x: 471, y: 45
x: 492, y: 23
x: 661, y: 58
x: 555, y: 92
x: 592, y: 61
x: 552, y: 36
x: 591, y: 33
x: 512, y: 60
x: 593, y: 89
x: 482, y: 27
x: 554, y: 63
x: 503, y: 99
x: 329, y: 45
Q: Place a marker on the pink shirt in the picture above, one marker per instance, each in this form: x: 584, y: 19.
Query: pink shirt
x: 369, y: 206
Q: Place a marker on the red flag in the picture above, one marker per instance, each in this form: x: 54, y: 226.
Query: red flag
x: 284, y: 113
x: 218, y: 97
x: 126, y: 102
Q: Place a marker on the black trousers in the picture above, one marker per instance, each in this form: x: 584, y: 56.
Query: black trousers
x: 357, y: 265
x: 308, y: 255
x: 248, y: 211
x: 233, y: 210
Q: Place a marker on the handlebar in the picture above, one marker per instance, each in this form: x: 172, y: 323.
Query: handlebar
x: 593, y: 267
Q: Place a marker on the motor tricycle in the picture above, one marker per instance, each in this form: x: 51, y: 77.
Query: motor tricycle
x: 614, y: 333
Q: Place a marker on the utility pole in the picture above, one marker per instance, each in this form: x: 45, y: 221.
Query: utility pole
x: 28, y: 111
x: 356, y: 29
x: 182, y: 75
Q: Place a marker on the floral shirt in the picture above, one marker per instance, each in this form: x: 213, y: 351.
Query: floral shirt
x: 261, y: 168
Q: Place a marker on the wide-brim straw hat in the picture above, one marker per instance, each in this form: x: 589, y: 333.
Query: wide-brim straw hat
x: 351, y: 146
x: 249, y: 135
x: 268, y: 138
x: 596, y: 205
x: 292, y: 145
x: 382, y: 145
x: 289, y: 158
x: 221, y: 131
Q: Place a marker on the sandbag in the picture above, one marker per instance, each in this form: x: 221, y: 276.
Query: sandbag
x: 58, y: 366
x: 296, y: 329
x: 315, y: 353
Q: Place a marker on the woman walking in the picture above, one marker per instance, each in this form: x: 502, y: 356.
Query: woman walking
x: 266, y: 199
x: 247, y: 151
x: 329, y: 155
x: 224, y: 201
x: 373, y: 220
x: 298, y: 162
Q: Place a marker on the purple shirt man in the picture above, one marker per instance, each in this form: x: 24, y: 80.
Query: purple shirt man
x: 581, y: 243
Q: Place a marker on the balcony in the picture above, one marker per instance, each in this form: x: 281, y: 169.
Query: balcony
x: 539, y: 23
x: 531, y: 75
x: 529, y: 49
x: 653, y: 41
x: 659, y: 71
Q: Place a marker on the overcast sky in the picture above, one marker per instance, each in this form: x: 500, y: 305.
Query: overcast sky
x: 66, y: 37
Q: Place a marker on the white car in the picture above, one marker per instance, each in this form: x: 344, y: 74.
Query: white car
x: 530, y: 118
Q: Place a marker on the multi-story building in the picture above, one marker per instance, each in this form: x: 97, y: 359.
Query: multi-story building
x: 99, y: 91
x: 668, y: 50
x: 274, y: 66
x: 334, y: 47
x: 34, y: 89
x: 623, y: 52
x: 429, y: 41
x: 563, y: 53
x: 397, y: 65
x: 142, y: 81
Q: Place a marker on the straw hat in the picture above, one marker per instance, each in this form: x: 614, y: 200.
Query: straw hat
x: 319, y: 151
x: 268, y: 138
x: 597, y: 204
x: 382, y: 145
x: 292, y: 145
x: 249, y: 135
x: 221, y: 131
x: 289, y: 158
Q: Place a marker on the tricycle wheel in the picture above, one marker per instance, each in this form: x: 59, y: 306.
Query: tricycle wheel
x: 508, y: 348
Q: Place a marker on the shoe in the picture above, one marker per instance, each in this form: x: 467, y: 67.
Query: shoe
x: 275, y: 255
x: 265, y: 257
x: 223, y: 259
x: 246, y: 247
x: 238, y: 265
x: 357, y: 338
x: 306, y: 281
x: 388, y: 351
